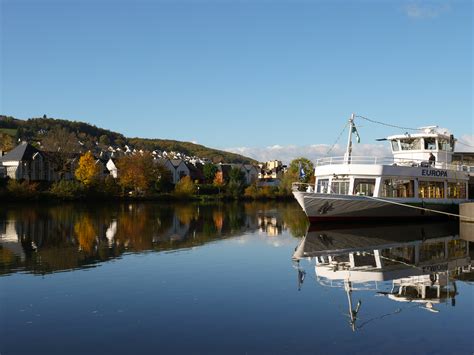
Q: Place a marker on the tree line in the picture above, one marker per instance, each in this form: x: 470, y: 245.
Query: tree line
x: 140, y: 176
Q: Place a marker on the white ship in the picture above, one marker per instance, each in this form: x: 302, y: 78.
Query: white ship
x: 419, y: 180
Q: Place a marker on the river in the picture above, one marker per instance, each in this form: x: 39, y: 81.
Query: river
x: 243, y: 278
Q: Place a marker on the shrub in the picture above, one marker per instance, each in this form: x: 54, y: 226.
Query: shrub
x: 22, y: 189
x: 185, y: 187
x: 66, y: 189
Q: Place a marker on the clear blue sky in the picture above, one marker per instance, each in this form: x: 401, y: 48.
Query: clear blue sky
x: 239, y: 73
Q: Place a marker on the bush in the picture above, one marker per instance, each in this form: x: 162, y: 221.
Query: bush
x: 185, y: 187
x: 264, y: 192
x: 108, y: 187
x: 22, y: 189
x: 66, y: 189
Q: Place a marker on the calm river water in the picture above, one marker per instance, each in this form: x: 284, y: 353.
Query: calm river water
x: 228, y: 278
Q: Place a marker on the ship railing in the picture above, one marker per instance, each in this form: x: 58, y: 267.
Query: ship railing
x: 302, y: 186
x: 373, y: 160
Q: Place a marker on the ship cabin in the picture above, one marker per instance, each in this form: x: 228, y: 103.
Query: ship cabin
x: 420, y: 168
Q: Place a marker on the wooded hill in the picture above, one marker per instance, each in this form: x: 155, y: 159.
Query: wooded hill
x: 83, y: 135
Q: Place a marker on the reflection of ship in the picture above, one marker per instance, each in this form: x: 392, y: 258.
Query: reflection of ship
x: 422, y: 261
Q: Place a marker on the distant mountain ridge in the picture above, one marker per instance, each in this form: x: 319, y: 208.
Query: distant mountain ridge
x: 35, y: 130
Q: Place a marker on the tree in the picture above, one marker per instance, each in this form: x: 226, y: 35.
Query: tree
x: 300, y: 170
x: 62, y: 144
x: 164, y: 181
x: 218, y: 180
x: 185, y: 187
x: 104, y: 140
x: 209, y: 171
x: 87, y: 171
x: 137, y: 172
x: 6, y: 142
x: 236, y: 184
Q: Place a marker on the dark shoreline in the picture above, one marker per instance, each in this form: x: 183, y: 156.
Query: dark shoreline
x: 48, y: 198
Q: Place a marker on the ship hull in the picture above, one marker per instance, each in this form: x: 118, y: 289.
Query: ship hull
x: 330, y: 208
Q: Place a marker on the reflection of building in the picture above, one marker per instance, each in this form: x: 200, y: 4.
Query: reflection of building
x: 9, y: 239
x: 421, y: 261
x: 270, y: 223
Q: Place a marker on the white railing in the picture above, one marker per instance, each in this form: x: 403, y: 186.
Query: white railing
x: 302, y: 186
x: 393, y: 161
x: 355, y: 160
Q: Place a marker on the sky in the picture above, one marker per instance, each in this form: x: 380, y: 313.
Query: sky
x: 270, y: 79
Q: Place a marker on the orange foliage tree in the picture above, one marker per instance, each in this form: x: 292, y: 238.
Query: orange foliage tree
x: 87, y: 170
x: 218, y: 179
x: 137, y: 172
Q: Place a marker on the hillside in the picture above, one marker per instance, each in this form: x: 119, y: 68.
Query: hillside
x: 80, y: 135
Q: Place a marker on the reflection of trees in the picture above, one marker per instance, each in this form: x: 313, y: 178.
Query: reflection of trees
x: 295, y: 219
x: 85, y: 233
x: 186, y: 212
x: 135, y: 226
x: 68, y: 236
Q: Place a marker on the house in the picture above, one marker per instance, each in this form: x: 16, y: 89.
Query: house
x: 25, y: 162
x: 112, y: 168
x: 271, y: 173
x: 251, y: 173
x: 60, y: 165
x: 196, y: 172
x: 177, y: 168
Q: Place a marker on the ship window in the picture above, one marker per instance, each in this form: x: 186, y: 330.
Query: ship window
x: 323, y: 186
x: 456, y: 190
x: 432, y: 251
x: 457, y: 248
x: 393, y: 256
x: 430, y: 143
x: 398, y: 188
x: 340, y: 187
x: 445, y: 145
x: 410, y: 143
x: 364, y: 187
x: 395, y: 146
x: 431, y: 189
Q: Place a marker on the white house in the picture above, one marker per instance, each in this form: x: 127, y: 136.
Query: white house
x: 25, y: 162
x: 112, y: 168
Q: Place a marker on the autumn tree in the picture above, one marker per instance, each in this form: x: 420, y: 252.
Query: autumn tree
x: 6, y: 142
x: 218, y: 180
x: 137, y: 172
x: 87, y: 171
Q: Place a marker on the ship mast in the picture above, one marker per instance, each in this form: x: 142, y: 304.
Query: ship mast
x: 348, y: 155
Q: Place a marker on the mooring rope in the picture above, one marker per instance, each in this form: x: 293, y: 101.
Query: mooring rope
x: 420, y: 208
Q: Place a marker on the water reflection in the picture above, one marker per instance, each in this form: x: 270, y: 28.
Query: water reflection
x: 415, y: 264
x: 43, y: 239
